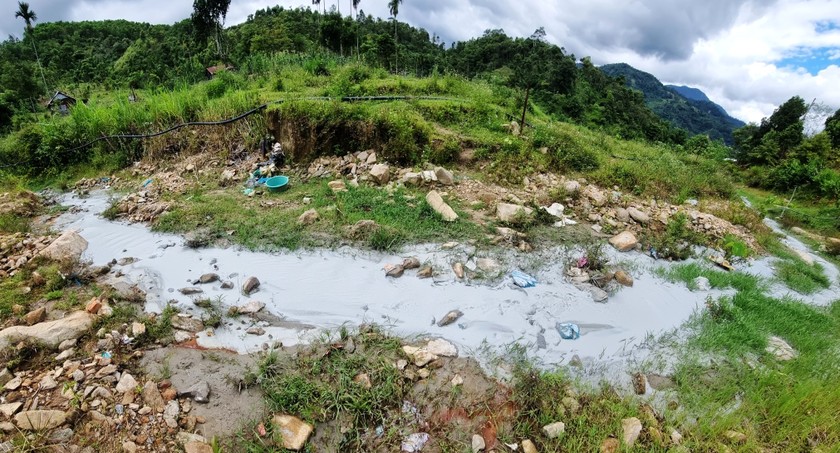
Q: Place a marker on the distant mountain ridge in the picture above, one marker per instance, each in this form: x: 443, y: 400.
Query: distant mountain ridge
x: 685, y: 107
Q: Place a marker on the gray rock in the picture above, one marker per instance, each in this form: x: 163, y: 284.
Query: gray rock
x: 255, y: 331
x: 638, y: 215
x: 40, y: 420
x: 511, y: 212
x: 152, y: 396
x: 227, y: 284
x: 251, y: 284
x: 199, y: 392
x: 478, y: 444
x: 702, y: 284
x: 444, y: 176
x: 622, y: 215
x: 207, y: 278
x: 780, y: 349
x: 61, y: 435
x: 66, y: 344
x: 380, y: 173
x: 438, y: 205
x: 10, y: 409
x: 68, y: 247
x: 659, y: 382
x: 127, y: 383
x: 554, y: 430
x: 64, y: 355
x: 49, y: 333
x: 188, y: 324
x: 488, y: 265
x: 253, y: 306
x: 190, y: 290
x: 450, y: 317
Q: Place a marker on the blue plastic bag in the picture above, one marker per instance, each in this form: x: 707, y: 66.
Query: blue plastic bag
x: 568, y: 330
x: 523, y: 280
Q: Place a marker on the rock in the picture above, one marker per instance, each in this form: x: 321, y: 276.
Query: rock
x: 180, y: 336
x: 638, y: 215
x: 363, y: 379
x: 7, y: 427
x: 48, y: 382
x: 40, y: 419
x: 187, y: 323
x: 488, y: 265
x: 197, y: 447
x: 10, y: 409
x: 199, y: 392
x: 251, y: 307
x: 676, y: 437
x: 308, y: 218
x: 442, y: 347
x: 444, y: 176
x: 598, y: 294
x: 639, y: 383
x: 184, y: 437
x: 35, y: 316
x: 528, y: 446
x: 207, y: 278
x: 458, y: 268
x: 425, y: 272
x: 515, y: 129
x: 658, y: 382
x: 512, y: 212
x: 412, y: 179
x: 438, y: 205
x: 5, y: 376
x: 189, y: 291
x: 450, y: 317
x: 129, y: 447
x: 294, y: 431
x: 337, y: 186
x: 595, y: 195
x: 258, y: 331
x: 411, y: 263
x: 60, y: 436
x: 65, y: 345
x: 702, y: 284
x: 622, y: 215
x: 780, y: 349
x: 250, y: 285
x: 804, y: 256
x: 624, y: 241
x: 68, y: 247
x: 554, y: 430
x: 152, y: 396
x: 414, y: 442
x: 137, y: 329
x: 394, y: 271
x: 127, y: 383
x: 623, y: 278
x: 477, y: 443
x: 78, y: 375
x: 420, y: 356
x: 93, y: 306
x: 631, y: 429
x: 735, y: 436
x: 571, y: 187
x: 571, y: 404
x: 371, y: 159
x: 227, y: 284
x: 49, y: 333
x: 228, y: 174
x: 556, y: 209
x: 610, y: 445
x: 380, y: 174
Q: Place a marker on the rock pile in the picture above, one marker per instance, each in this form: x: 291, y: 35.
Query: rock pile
x: 18, y: 249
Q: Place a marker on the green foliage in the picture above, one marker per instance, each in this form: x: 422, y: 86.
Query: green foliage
x: 801, y: 277
x: 832, y: 128
x: 677, y: 240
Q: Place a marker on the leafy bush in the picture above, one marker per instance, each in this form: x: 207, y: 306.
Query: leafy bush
x: 677, y: 239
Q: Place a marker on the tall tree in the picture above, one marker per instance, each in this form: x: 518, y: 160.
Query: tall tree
x: 394, y: 7
x: 29, y: 16
x: 208, y: 17
x: 356, y: 13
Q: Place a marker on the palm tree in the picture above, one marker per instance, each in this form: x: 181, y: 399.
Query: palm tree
x: 356, y: 11
x: 394, y: 7
x: 28, y: 17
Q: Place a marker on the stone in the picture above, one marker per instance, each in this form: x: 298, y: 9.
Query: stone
x: 508, y: 213
x: 228, y: 174
x: 250, y: 308
x: 638, y: 215
x: 554, y: 430
x: 598, y: 294
x: 65, y: 345
x: 450, y: 317
x: 294, y: 431
x: 425, y: 272
x: 35, y: 316
x: 631, y: 429
x: 227, y: 284
x: 308, y: 217
x: 207, y: 278
x: 197, y: 447
x: 442, y: 347
x: 60, y: 436
x: 256, y: 330
x: 595, y: 195
x: 639, y: 383
x: 420, y: 356
x: 411, y: 263
x: 556, y: 210
x: 184, y: 437
x: 458, y: 269
x: 380, y: 174
x: 93, y: 306
x: 610, y: 445
x: 137, y: 329
x: 624, y: 241
x: 78, y: 375
x: 780, y: 349
x: 48, y: 382
x: 658, y: 382
x: 363, y: 379
x: 528, y: 446
x: 438, y: 205
x: 623, y: 278
x: 412, y: 179
x: 49, y: 333
x: 337, y: 186
x: 251, y: 284
x: 127, y: 383
x: 735, y: 436
x: 488, y: 265
x: 68, y: 247
x: 187, y: 323
x: 10, y: 409
x: 190, y: 290
x: 702, y: 284
x: 477, y: 443
x: 444, y: 176
x: 5, y: 376
x: 571, y: 187
x: 199, y: 392
x: 40, y: 419
x: 371, y: 159
x: 394, y: 271
x: 152, y: 396
x: 804, y: 256
x: 676, y: 437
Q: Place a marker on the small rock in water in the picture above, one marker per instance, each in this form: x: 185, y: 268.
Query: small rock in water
x: 206, y: 278
x: 255, y: 331
x: 199, y: 392
x: 458, y: 268
x: 623, y: 278
x: 411, y: 263
x: 190, y: 290
x: 442, y: 347
x: 425, y: 272
x: 250, y: 285
x: 450, y: 317
x: 253, y: 306
x: 227, y: 285
x: 394, y: 271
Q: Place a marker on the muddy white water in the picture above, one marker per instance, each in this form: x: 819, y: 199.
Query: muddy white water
x: 313, y: 291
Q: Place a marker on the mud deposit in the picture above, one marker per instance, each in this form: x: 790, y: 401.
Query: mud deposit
x: 308, y: 291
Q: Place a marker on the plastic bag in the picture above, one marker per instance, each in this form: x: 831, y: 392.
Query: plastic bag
x: 523, y: 280
x: 568, y: 330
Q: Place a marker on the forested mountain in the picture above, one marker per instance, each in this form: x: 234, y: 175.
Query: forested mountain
x: 692, y: 111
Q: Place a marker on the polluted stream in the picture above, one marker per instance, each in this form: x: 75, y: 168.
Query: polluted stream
x: 307, y: 293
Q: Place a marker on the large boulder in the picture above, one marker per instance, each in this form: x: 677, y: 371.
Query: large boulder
x: 380, y: 173
x: 50, y: 333
x: 294, y: 431
x: 624, y: 241
x: 40, y: 420
x: 68, y: 247
x: 444, y: 176
x: 638, y: 215
x: 436, y: 202
x: 511, y: 212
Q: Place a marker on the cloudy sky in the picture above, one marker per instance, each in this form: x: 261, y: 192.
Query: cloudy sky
x: 747, y: 55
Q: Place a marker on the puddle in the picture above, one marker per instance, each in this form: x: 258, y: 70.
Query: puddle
x: 309, y: 291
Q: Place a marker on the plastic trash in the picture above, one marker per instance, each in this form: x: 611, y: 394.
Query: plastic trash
x: 106, y: 355
x: 248, y: 192
x: 523, y: 280
x: 568, y: 330
x: 147, y: 182
x: 414, y: 442
x: 653, y: 253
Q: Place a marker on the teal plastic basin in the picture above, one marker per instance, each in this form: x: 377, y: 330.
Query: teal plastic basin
x: 277, y: 183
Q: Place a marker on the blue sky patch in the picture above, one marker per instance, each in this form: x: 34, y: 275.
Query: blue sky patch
x: 811, y: 60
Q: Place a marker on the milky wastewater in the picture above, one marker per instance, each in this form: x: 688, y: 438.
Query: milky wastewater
x: 310, y: 292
